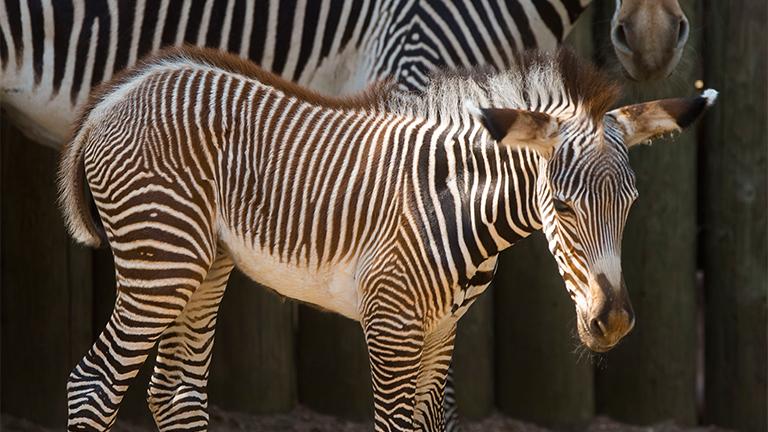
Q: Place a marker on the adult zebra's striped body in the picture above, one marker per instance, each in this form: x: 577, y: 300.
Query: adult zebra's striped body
x: 53, y: 52
x: 391, y: 213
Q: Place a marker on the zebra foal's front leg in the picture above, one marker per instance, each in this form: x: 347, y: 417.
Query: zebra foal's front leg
x: 178, y: 393
x: 450, y: 408
x: 395, y: 346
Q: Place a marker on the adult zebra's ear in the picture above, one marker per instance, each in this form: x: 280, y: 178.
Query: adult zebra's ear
x: 519, y: 128
x: 644, y: 122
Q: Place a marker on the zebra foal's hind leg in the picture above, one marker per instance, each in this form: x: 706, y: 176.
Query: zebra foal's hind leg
x: 98, y: 383
x: 177, y: 393
x: 162, y: 256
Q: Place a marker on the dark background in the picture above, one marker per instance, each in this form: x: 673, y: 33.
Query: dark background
x: 695, y: 261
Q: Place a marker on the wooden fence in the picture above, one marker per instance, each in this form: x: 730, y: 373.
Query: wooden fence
x: 702, y: 212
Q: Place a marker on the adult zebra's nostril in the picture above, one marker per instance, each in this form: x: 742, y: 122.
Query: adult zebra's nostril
x: 619, y: 38
x: 683, y: 29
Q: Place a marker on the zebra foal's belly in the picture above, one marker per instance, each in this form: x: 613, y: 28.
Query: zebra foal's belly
x: 332, y: 287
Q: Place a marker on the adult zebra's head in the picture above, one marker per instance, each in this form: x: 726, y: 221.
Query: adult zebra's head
x: 585, y: 188
x: 648, y: 37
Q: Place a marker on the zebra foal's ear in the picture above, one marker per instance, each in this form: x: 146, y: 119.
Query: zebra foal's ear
x: 644, y: 122
x: 519, y: 128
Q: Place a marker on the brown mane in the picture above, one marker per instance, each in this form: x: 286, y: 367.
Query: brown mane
x: 586, y: 85
x: 594, y: 90
x: 370, y: 97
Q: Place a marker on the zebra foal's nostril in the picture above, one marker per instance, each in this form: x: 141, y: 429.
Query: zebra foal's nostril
x: 630, y: 314
x: 597, y: 327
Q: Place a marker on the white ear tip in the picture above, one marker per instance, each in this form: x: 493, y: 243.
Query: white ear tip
x: 472, y: 108
x: 710, y: 95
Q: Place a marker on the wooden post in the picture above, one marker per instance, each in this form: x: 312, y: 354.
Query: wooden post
x: 46, y: 310
x: 734, y: 241
x: 333, y: 370
x: 473, y: 359
x: 253, y: 367
x: 650, y: 376
x: 538, y: 376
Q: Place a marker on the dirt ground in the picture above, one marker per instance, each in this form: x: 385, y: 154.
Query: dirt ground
x: 304, y: 420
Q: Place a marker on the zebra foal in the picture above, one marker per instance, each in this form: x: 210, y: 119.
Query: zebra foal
x: 389, y: 208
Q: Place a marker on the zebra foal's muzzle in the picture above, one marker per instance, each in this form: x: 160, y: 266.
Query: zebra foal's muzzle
x: 609, y: 317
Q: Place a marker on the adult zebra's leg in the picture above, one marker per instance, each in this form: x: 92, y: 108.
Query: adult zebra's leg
x: 452, y: 423
x: 433, y: 374
x: 394, y: 348
x: 177, y: 393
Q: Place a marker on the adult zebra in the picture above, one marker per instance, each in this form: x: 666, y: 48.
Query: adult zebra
x: 390, y: 213
x: 52, y: 52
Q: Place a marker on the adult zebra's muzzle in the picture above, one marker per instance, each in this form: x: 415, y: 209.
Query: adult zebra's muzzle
x: 649, y: 37
x: 610, y: 316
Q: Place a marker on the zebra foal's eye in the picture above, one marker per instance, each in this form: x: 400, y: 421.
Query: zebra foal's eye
x: 561, y: 206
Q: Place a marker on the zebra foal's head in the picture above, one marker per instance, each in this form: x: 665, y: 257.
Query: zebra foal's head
x: 585, y: 185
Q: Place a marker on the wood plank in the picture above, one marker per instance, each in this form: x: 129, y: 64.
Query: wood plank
x: 539, y: 377
x: 473, y: 360
x: 333, y: 370
x: 46, y: 317
x: 253, y: 367
x: 734, y: 242
x: 650, y: 376
x: 581, y: 37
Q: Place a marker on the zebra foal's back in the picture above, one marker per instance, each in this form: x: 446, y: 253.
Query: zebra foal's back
x: 195, y: 148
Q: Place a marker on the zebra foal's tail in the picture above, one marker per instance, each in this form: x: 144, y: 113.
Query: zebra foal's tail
x: 74, y: 206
